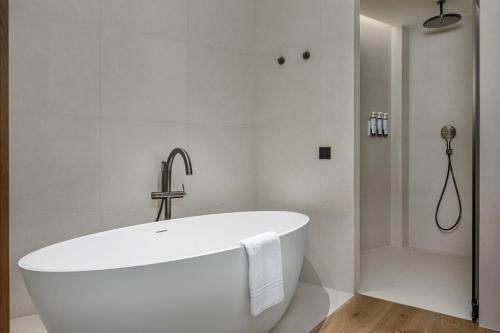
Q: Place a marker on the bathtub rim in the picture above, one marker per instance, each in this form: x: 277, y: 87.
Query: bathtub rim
x: 24, y: 267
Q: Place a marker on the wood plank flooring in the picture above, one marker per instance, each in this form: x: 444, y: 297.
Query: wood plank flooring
x: 362, y: 314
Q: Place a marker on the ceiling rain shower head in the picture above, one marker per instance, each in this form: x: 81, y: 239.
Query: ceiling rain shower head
x: 442, y: 20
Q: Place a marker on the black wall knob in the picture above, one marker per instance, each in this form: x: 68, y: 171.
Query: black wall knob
x: 281, y: 60
x: 306, y: 55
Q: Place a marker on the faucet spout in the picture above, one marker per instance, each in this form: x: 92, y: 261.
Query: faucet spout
x: 185, y: 156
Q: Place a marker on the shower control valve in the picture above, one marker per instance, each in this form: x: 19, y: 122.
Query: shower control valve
x: 169, y: 195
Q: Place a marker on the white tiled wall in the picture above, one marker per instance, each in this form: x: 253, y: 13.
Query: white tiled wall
x: 440, y: 86
x: 489, y: 238
x: 375, y: 160
x: 303, y: 105
x: 101, y: 91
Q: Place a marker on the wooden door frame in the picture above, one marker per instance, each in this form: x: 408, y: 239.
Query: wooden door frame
x: 4, y: 167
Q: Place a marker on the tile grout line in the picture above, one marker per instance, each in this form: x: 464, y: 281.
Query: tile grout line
x: 187, y: 118
x: 100, y: 112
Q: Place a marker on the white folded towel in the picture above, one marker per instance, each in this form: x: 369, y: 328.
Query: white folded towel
x: 265, y: 272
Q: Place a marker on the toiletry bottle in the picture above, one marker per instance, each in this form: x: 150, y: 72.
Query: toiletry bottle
x: 385, y: 124
x: 380, y: 127
x: 373, y: 124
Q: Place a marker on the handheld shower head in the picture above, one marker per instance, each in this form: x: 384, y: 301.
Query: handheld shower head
x: 448, y: 132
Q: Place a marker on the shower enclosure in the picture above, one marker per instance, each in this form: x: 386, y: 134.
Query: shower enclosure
x: 419, y: 184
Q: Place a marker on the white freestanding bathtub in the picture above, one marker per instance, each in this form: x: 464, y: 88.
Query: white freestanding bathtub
x: 187, y: 275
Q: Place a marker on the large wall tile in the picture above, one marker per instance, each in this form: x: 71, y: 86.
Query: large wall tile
x: 289, y: 172
x: 435, y: 104
x: 130, y: 163
x: 337, y: 94
x: 87, y: 10
x: 289, y: 94
x: 54, y: 63
x: 335, y: 26
x: 144, y: 77
x: 227, y: 24
x: 54, y: 164
x: 281, y: 23
x: 167, y: 18
x: 424, y: 62
x: 221, y: 87
x: 223, y: 170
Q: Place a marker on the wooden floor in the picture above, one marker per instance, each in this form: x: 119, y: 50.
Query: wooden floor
x: 364, y: 314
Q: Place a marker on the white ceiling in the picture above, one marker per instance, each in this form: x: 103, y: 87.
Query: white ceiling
x: 411, y: 12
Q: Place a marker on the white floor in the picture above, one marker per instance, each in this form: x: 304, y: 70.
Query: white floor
x: 310, y: 305
x: 433, y: 282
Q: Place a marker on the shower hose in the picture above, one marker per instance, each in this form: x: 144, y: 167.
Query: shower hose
x: 450, y: 171
x: 159, y: 210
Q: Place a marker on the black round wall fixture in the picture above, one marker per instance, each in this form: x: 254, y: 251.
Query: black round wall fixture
x: 281, y: 61
x: 306, y: 55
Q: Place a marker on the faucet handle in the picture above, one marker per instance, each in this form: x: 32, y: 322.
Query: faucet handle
x: 183, y: 190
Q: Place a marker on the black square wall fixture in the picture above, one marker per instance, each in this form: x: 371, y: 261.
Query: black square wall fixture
x: 325, y: 153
